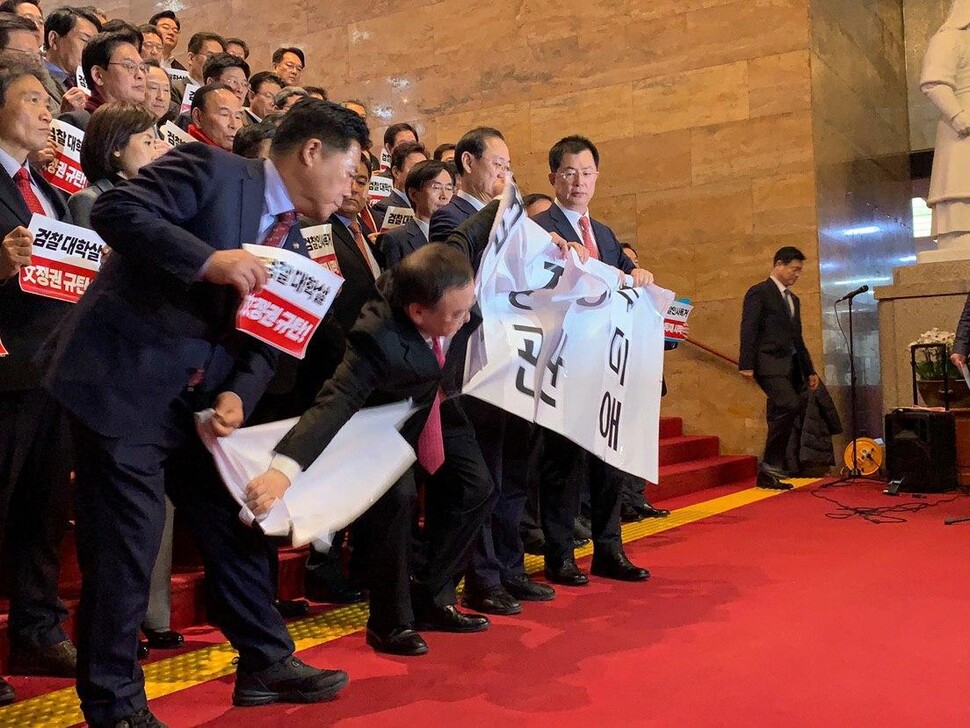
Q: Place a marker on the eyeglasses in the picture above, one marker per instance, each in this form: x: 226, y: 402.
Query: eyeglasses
x: 236, y: 85
x: 438, y: 188
x: 151, y: 47
x: 207, y: 54
x: 130, y: 67
x: 570, y: 175
x: 290, y: 66
x: 501, y: 165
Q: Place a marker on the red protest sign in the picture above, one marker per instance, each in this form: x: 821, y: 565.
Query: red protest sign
x: 55, y: 279
x: 280, y: 323
x: 64, y: 170
x: 64, y: 259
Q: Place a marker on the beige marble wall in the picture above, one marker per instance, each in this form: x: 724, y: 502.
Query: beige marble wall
x: 702, y: 110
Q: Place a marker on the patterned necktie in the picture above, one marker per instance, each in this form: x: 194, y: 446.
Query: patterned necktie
x: 790, y: 304
x: 22, y: 179
x: 281, y: 228
x: 362, y: 245
x: 431, y: 443
x: 588, y: 238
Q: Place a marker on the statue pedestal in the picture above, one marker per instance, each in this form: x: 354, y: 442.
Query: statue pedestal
x: 922, y: 296
x: 945, y: 255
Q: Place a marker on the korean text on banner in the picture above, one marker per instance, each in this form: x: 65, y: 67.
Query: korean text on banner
x: 319, y: 243
x: 64, y: 170
x: 296, y: 297
x: 174, y: 136
x: 343, y: 482
x: 385, y: 160
x: 187, y: 97
x: 396, y: 216
x: 675, y: 319
x: 380, y: 187
x: 80, y: 81
x: 63, y: 260
x: 177, y: 74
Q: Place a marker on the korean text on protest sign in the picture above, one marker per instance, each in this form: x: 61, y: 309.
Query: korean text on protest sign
x: 64, y: 259
x: 64, y: 170
x: 319, y: 243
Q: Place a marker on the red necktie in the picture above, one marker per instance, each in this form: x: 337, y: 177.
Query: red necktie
x: 588, y: 241
x: 22, y: 179
x: 358, y: 237
x: 431, y: 443
x: 281, y: 228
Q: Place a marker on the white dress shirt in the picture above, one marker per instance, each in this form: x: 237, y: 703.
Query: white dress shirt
x: 782, y: 288
x: 574, y: 218
x: 475, y: 202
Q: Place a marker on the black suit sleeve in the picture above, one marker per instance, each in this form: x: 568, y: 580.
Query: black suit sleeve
x: 800, y: 345
x: 363, y: 368
x: 164, y: 195
x: 750, y: 323
x: 443, y: 224
x: 962, y: 343
x: 391, y: 245
x: 471, y: 237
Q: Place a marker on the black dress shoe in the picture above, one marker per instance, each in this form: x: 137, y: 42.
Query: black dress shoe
x: 629, y: 514
x: 142, y: 652
x: 163, y: 639
x: 140, y: 719
x: 491, y: 601
x: 288, y: 681
x: 771, y: 481
x: 292, y: 608
x: 449, y: 619
x: 7, y: 695
x: 525, y: 589
x: 325, y: 583
x: 617, y: 566
x: 646, y: 510
x: 58, y: 660
x: 566, y: 573
x: 399, y: 641
x: 578, y: 542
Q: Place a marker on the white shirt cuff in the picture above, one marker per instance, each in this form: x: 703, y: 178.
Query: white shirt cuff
x: 286, y: 465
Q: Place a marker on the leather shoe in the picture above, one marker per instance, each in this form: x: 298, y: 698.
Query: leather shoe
x: 7, y: 695
x: 289, y: 608
x: 617, y: 566
x: 491, y: 601
x: 58, y: 660
x: 578, y: 542
x: 648, y: 511
x: 629, y: 514
x: 140, y: 719
x: 142, y: 652
x: 771, y: 481
x: 288, y: 681
x: 449, y: 619
x: 399, y: 641
x: 525, y: 589
x: 566, y: 573
x: 163, y: 639
x: 325, y: 583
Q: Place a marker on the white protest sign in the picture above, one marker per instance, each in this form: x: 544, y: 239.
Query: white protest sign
x: 64, y: 170
x: 174, y: 136
x: 63, y: 261
x: 187, y: 97
x: 177, y: 74
x: 291, y: 305
x: 385, y: 160
x: 675, y: 320
x: 395, y: 217
x: 342, y: 483
x: 81, y: 82
x: 319, y: 243
x: 380, y: 187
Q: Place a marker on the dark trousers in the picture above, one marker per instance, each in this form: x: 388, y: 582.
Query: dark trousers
x: 506, y: 442
x: 565, y: 468
x: 457, y: 500
x: 35, y: 475
x: 786, y: 402
x: 120, y: 514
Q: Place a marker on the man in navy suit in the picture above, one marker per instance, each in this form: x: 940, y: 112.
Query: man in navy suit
x: 482, y: 158
x: 403, y: 159
x: 573, y: 170
x: 429, y: 186
x: 35, y: 459
x: 152, y: 342
x: 774, y: 354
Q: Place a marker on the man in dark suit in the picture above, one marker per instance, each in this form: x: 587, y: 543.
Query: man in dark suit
x: 773, y: 353
x: 154, y: 341
x: 403, y: 159
x: 409, y: 342
x: 483, y: 161
x: 429, y: 186
x: 35, y: 460
x: 573, y: 171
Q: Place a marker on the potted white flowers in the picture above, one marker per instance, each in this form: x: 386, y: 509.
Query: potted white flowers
x: 931, y: 363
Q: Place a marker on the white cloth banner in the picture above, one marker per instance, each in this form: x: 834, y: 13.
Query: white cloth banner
x: 341, y: 484
x: 564, y: 346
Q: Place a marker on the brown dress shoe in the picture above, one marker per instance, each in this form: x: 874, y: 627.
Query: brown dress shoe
x: 58, y: 660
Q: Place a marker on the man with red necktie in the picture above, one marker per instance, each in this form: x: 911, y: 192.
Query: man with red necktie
x: 34, y: 434
x: 409, y: 342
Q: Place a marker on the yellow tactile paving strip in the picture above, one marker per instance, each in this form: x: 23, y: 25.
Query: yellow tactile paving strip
x: 60, y: 708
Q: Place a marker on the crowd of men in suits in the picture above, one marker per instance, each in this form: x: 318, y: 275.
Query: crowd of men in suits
x: 108, y: 386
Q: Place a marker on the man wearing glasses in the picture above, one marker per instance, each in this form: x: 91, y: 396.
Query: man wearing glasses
x: 288, y: 64
x: 169, y: 28
x: 263, y: 87
x: 114, y: 71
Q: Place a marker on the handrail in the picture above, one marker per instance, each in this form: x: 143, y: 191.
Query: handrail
x: 714, y: 352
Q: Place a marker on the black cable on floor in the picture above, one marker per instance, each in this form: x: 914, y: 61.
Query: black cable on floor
x: 877, y: 514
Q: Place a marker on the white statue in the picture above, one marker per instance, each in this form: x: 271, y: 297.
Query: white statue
x: 946, y: 82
